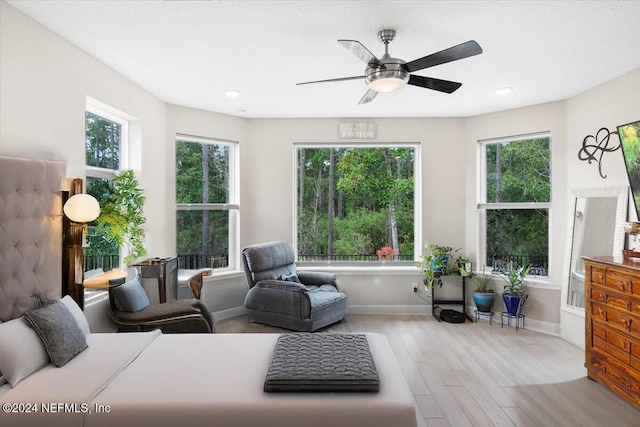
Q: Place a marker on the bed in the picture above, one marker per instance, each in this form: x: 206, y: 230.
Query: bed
x: 136, y: 379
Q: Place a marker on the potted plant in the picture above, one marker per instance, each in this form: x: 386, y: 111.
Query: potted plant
x: 514, y: 293
x: 436, y: 263
x: 441, y: 255
x: 483, y: 297
x: 122, y: 218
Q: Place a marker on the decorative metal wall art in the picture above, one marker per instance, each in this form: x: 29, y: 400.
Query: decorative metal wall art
x: 594, y: 147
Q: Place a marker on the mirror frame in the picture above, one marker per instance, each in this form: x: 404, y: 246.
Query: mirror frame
x: 622, y: 194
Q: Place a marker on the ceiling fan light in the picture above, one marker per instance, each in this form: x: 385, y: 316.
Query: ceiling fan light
x: 386, y: 85
x: 388, y: 79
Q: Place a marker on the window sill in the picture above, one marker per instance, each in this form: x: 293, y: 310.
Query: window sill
x: 354, y: 270
x: 223, y: 275
x: 542, y: 283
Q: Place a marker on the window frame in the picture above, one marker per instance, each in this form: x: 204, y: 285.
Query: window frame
x: 233, y: 207
x: 107, y: 112
x: 483, y: 206
x: 417, y: 201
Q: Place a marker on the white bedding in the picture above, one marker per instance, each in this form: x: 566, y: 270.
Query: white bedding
x: 150, y: 379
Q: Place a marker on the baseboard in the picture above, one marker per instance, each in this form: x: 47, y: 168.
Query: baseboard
x: 229, y: 313
x: 389, y: 309
x: 531, y: 324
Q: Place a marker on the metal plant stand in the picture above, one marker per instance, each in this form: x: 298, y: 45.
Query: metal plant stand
x: 435, y: 303
x: 480, y: 314
x: 519, y: 319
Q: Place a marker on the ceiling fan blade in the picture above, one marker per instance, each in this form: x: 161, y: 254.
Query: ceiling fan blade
x: 445, y: 86
x: 368, y: 97
x: 361, y: 52
x: 461, y: 51
x: 332, y: 80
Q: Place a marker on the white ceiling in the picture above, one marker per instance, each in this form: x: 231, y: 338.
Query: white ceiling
x: 189, y: 52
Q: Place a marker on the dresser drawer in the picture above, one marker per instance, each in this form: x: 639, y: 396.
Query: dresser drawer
x: 620, y: 281
x: 598, y: 295
x: 612, y: 374
x: 598, y: 274
x: 599, y: 331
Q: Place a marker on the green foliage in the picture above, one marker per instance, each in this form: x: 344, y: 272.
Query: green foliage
x: 121, y: 218
x: 367, y: 181
x: 433, y: 266
x: 518, y: 171
x: 514, y: 278
x: 202, y: 176
x: 102, y: 142
x: 481, y: 281
x: 97, y: 244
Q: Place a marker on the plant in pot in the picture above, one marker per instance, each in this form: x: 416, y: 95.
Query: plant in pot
x: 483, y: 297
x: 437, y: 262
x: 514, y: 294
x: 122, y: 218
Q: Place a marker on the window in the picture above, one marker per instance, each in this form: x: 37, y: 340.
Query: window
x: 106, y: 136
x: 515, y: 202
x: 207, y: 202
x: 357, y: 203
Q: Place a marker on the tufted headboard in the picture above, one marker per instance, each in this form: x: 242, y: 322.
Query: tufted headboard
x: 30, y: 233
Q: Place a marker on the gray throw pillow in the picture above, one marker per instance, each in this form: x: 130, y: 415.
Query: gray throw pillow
x: 59, y: 332
x: 293, y: 277
x: 130, y: 296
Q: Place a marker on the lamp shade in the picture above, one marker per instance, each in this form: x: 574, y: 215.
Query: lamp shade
x: 82, y: 208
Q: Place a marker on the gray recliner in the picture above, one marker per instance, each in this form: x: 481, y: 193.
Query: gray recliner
x: 280, y: 295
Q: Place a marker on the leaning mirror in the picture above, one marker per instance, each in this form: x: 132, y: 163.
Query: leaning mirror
x: 595, y: 227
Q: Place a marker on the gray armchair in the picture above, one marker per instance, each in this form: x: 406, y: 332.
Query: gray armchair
x: 132, y: 312
x: 280, y: 295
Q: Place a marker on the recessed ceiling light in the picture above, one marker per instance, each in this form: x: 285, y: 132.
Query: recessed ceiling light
x: 232, y: 93
x: 242, y: 111
x: 504, y: 91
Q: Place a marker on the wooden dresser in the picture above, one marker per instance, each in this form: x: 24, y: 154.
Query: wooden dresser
x: 612, y: 289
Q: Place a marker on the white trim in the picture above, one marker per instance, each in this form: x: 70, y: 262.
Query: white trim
x: 389, y: 309
x: 113, y: 114
x: 229, y: 313
x: 207, y: 206
x: 482, y: 206
x: 232, y: 205
x: 516, y: 138
x: 529, y: 323
x: 364, y: 270
x: 499, y: 206
x: 218, y: 274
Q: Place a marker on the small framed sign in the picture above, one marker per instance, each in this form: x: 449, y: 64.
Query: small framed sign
x: 357, y: 130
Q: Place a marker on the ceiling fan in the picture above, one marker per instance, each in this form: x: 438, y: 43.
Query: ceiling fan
x: 388, y: 74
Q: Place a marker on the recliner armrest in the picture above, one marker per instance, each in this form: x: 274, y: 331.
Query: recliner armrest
x: 282, y: 285
x: 318, y: 278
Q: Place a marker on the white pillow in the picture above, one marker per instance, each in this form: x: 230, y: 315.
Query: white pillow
x: 21, y: 351
x: 77, y: 313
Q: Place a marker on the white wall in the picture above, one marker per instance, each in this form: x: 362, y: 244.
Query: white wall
x: 543, y: 304
x: 44, y: 81
x: 609, y: 105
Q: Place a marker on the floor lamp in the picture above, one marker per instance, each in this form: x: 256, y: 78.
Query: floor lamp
x: 79, y: 210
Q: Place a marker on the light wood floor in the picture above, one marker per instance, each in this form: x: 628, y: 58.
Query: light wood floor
x: 473, y: 374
